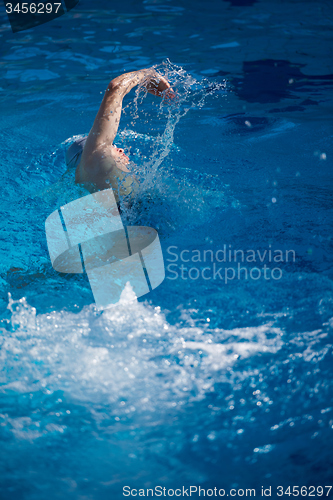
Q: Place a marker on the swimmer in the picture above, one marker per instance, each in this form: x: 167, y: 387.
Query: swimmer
x: 99, y: 163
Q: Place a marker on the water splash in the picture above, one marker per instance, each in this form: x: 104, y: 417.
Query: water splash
x: 23, y: 317
x: 190, y: 94
x: 129, y: 356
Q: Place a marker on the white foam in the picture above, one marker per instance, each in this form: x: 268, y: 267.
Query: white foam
x: 126, y: 353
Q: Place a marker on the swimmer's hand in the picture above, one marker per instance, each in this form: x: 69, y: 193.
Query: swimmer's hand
x: 158, y: 85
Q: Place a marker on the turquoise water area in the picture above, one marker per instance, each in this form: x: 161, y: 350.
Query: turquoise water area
x: 212, y: 379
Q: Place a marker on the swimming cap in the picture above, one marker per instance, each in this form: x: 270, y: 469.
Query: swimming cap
x: 74, y: 152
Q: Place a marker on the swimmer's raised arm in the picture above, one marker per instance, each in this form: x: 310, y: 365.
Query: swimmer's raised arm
x: 99, y: 158
x: 107, y: 120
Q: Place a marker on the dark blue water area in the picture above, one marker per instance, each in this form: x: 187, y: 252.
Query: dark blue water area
x: 222, y: 375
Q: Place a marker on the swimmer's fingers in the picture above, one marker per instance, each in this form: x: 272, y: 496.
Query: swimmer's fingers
x: 157, y: 85
x: 170, y: 95
x: 167, y: 93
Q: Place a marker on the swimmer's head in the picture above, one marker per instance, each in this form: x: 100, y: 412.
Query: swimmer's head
x: 119, y: 155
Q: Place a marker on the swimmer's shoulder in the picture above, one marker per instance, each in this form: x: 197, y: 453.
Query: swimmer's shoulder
x: 100, y: 172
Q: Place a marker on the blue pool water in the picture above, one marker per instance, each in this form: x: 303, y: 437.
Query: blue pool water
x: 212, y: 379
